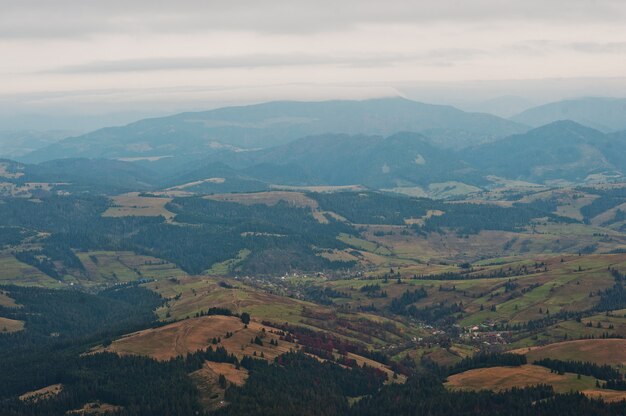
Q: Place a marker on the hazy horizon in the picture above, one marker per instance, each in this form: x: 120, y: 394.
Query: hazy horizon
x: 67, y: 66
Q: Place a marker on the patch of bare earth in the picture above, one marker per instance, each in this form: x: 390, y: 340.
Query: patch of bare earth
x: 96, y: 408
x: 206, y: 380
x: 43, y: 393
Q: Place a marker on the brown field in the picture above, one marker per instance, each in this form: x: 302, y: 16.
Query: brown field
x: 146, y: 158
x: 206, y: 380
x: 232, y: 374
x: 6, y: 301
x: 10, y: 325
x: 606, y: 395
x: 96, y: 408
x: 200, y: 293
x: 43, y: 393
x: 339, y: 188
x: 599, y: 351
x: 196, y: 334
x: 296, y: 199
x: 607, y: 215
x: 505, y: 378
x: 24, y: 190
x: 195, y: 183
x: 4, y: 172
x: 133, y: 205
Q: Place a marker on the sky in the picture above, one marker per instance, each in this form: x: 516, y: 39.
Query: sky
x: 98, y: 60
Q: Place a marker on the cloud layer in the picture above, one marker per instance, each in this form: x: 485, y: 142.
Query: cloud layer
x: 71, y: 48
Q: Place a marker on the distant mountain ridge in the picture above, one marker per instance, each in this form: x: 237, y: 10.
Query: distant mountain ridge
x: 604, y: 114
x: 403, y: 159
x: 275, y: 123
x: 243, y: 149
x: 563, y: 150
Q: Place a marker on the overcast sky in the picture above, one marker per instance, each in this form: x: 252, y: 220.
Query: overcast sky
x: 82, y: 56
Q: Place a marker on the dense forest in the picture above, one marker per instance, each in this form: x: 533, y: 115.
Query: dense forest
x: 61, y: 323
x: 379, y: 208
x: 425, y: 395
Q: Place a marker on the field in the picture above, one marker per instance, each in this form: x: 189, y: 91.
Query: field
x: 190, y: 295
x: 96, y: 408
x: 296, y: 199
x: 225, y: 267
x: 340, y: 188
x: 599, y: 351
x: 6, y: 301
x: 101, y: 268
x: 506, y: 378
x: 195, y: 334
x: 10, y: 325
x: 14, y: 272
x: 206, y: 380
x: 6, y: 173
x: 23, y: 190
x: 134, y: 205
x: 43, y: 393
x: 125, y: 266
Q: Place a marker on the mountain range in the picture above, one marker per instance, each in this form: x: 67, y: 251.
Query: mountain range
x: 271, y: 124
x: 381, y: 144
x: 604, y: 114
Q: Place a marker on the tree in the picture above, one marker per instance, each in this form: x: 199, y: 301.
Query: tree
x: 245, y: 318
x: 222, y: 381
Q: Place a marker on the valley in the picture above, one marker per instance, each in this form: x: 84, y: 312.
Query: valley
x: 477, y: 272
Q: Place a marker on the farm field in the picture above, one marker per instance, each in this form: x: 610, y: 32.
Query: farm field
x: 10, y: 325
x: 506, y: 378
x: 195, y: 334
x: 599, y: 351
x: 125, y: 266
x: 100, y: 268
x: 14, y: 272
x: 6, y: 301
x: 135, y: 205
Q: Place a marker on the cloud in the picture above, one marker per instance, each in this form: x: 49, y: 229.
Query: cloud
x: 78, y: 18
x: 432, y: 57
